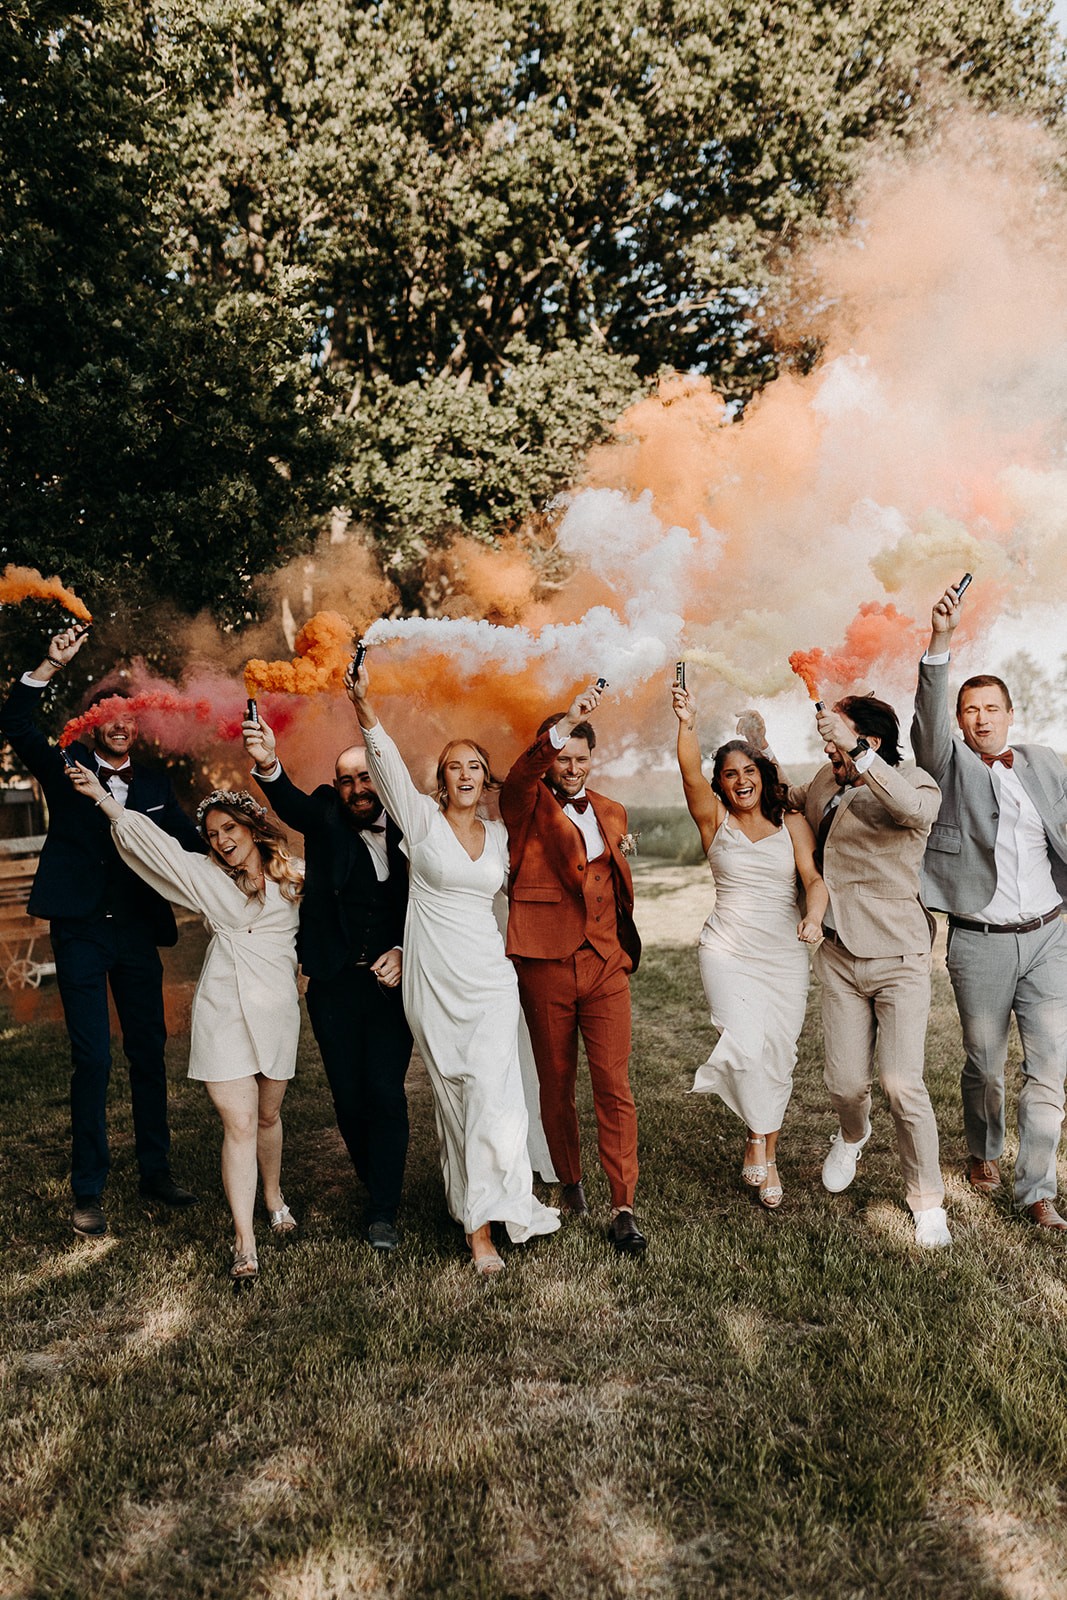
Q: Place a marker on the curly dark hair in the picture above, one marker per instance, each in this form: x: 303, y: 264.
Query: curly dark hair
x: 773, y: 796
x: 873, y: 717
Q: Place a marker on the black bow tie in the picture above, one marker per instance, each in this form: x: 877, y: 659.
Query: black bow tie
x: 373, y: 827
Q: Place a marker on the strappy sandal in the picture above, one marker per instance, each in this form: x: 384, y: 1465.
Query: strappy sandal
x: 755, y: 1173
x: 282, y: 1221
x: 770, y: 1194
x: 245, y: 1268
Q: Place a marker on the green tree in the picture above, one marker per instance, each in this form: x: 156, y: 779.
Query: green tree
x: 159, y: 437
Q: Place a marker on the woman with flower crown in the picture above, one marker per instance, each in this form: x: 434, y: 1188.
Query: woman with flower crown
x: 245, y: 1016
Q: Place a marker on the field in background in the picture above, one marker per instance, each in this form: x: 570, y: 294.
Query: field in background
x: 796, y: 1405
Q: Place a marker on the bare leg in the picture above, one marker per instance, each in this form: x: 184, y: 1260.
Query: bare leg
x: 483, y: 1249
x: 269, y: 1139
x: 237, y: 1103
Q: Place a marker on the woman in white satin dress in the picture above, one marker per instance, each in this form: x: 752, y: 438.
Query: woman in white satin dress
x: 753, y: 955
x: 460, y: 992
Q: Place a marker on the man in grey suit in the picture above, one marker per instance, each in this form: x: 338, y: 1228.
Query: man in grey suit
x: 871, y: 817
x: 997, y: 864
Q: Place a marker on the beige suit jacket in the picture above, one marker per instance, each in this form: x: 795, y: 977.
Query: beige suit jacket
x: 873, y: 855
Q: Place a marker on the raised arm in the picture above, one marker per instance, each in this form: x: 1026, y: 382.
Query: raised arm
x: 705, y: 807
x: 175, y: 873
x: 18, y: 717
x: 295, y: 808
x: 931, y: 727
x: 518, y: 794
x: 410, y: 809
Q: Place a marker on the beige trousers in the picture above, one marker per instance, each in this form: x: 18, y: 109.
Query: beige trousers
x: 877, y: 1008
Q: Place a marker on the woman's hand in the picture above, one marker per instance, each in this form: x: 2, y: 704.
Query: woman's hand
x: 809, y: 932
x: 88, y: 784
x: 683, y: 707
x: 752, y: 729
x: 259, y: 742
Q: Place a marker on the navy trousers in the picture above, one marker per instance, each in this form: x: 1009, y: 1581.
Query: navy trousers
x: 365, y: 1044
x: 90, y: 954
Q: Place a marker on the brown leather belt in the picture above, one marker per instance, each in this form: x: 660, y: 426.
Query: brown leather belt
x: 1004, y: 927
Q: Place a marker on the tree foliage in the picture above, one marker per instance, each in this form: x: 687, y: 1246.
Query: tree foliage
x: 259, y: 254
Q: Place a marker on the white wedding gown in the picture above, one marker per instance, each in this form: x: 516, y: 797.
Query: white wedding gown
x: 755, y: 975
x: 461, y: 997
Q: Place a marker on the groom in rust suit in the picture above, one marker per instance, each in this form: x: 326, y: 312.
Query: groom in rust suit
x: 572, y: 938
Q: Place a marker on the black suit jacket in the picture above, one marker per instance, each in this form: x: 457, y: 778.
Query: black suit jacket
x: 79, y: 857
x: 334, y: 855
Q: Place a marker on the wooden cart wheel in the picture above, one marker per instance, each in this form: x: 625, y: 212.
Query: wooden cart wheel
x: 23, y: 975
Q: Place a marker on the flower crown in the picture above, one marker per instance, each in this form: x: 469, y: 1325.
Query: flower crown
x: 236, y: 799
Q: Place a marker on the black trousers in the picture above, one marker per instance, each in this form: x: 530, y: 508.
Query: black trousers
x: 90, y: 954
x: 365, y: 1044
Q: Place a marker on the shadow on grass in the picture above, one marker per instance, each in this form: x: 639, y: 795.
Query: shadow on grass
x: 798, y: 1404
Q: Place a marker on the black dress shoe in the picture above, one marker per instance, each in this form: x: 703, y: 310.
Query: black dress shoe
x: 87, y: 1217
x: 625, y: 1234
x: 162, y: 1187
x: 572, y: 1199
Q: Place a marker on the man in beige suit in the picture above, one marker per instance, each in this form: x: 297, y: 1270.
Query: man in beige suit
x: 871, y: 818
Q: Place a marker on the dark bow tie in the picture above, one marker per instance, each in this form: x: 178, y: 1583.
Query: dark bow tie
x: 105, y: 774
x: 1007, y: 756
x: 580, y: 806
x: 373, y: 827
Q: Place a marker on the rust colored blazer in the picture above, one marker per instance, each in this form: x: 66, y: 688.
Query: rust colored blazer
x: 547, y: 854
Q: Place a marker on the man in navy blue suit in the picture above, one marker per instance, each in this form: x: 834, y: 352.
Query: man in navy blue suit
x: 106, y: 924
x: 349, y: 944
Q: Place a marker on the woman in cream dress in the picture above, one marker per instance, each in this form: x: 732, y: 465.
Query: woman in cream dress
x: 245, y: 1015
x: 460, y: 992
x: 753, y: 960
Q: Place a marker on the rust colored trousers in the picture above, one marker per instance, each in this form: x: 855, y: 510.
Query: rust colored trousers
x: 589, y: 995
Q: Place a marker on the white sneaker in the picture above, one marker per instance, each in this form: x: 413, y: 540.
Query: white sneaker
x: 839, y: 1168
x: 931, y: 1229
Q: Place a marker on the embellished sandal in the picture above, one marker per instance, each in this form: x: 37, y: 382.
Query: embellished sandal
x: 770, y: 1194
x: 282, y: 1221
x: 488, y: 1266
x: 754, y: 1173
x: 245, y: 1268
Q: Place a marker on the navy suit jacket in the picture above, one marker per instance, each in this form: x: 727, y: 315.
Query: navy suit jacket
x: 79, y: 857
x: 334, y: 854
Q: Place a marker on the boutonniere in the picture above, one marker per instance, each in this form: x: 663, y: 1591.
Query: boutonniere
x: 628, y: 844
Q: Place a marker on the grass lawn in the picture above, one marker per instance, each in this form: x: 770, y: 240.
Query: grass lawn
x: 790, y: 1405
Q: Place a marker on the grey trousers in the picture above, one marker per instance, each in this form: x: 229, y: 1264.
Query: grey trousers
x: 994, y: 974
x: 878, y: 1007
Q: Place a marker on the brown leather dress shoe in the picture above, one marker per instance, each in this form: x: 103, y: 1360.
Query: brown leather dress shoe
x: 983, y: 1176
x: 1044, y: 1213
x: 572, y: 1199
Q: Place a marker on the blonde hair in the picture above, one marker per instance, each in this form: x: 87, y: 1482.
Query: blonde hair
x: 279, y: 863
x: 441, y: 795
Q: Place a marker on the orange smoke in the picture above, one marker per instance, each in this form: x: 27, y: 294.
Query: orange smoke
x: 876, y: 633
x: 26, y: 583
x: 324, y: 648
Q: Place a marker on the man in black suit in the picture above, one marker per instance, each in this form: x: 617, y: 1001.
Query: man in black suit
x: 351, y: 926
x: 106, y: 924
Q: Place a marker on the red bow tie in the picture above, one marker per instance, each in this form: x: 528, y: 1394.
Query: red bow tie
x: 1007, y: 756
x: 579, y: 805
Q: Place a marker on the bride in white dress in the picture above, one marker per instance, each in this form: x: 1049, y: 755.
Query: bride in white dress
x: 460, y: 992
x: 753, y: 960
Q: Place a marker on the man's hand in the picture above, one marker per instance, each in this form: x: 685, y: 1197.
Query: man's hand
x: 833, y: 729
x: 752, y: 729
x: 943, y: 621
x: 62, y: 648
x: 260, y: 743
x: 388, y: 969
x: 583, y: 705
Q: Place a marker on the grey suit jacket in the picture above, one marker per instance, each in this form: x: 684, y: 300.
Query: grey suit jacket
x: 959, y: 869
x: 873, y: 855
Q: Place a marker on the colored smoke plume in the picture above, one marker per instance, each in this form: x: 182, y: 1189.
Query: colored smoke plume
x: 324, y: 648
x: 186, y: 722
x: 26, y: 583
x: 877, y: 633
